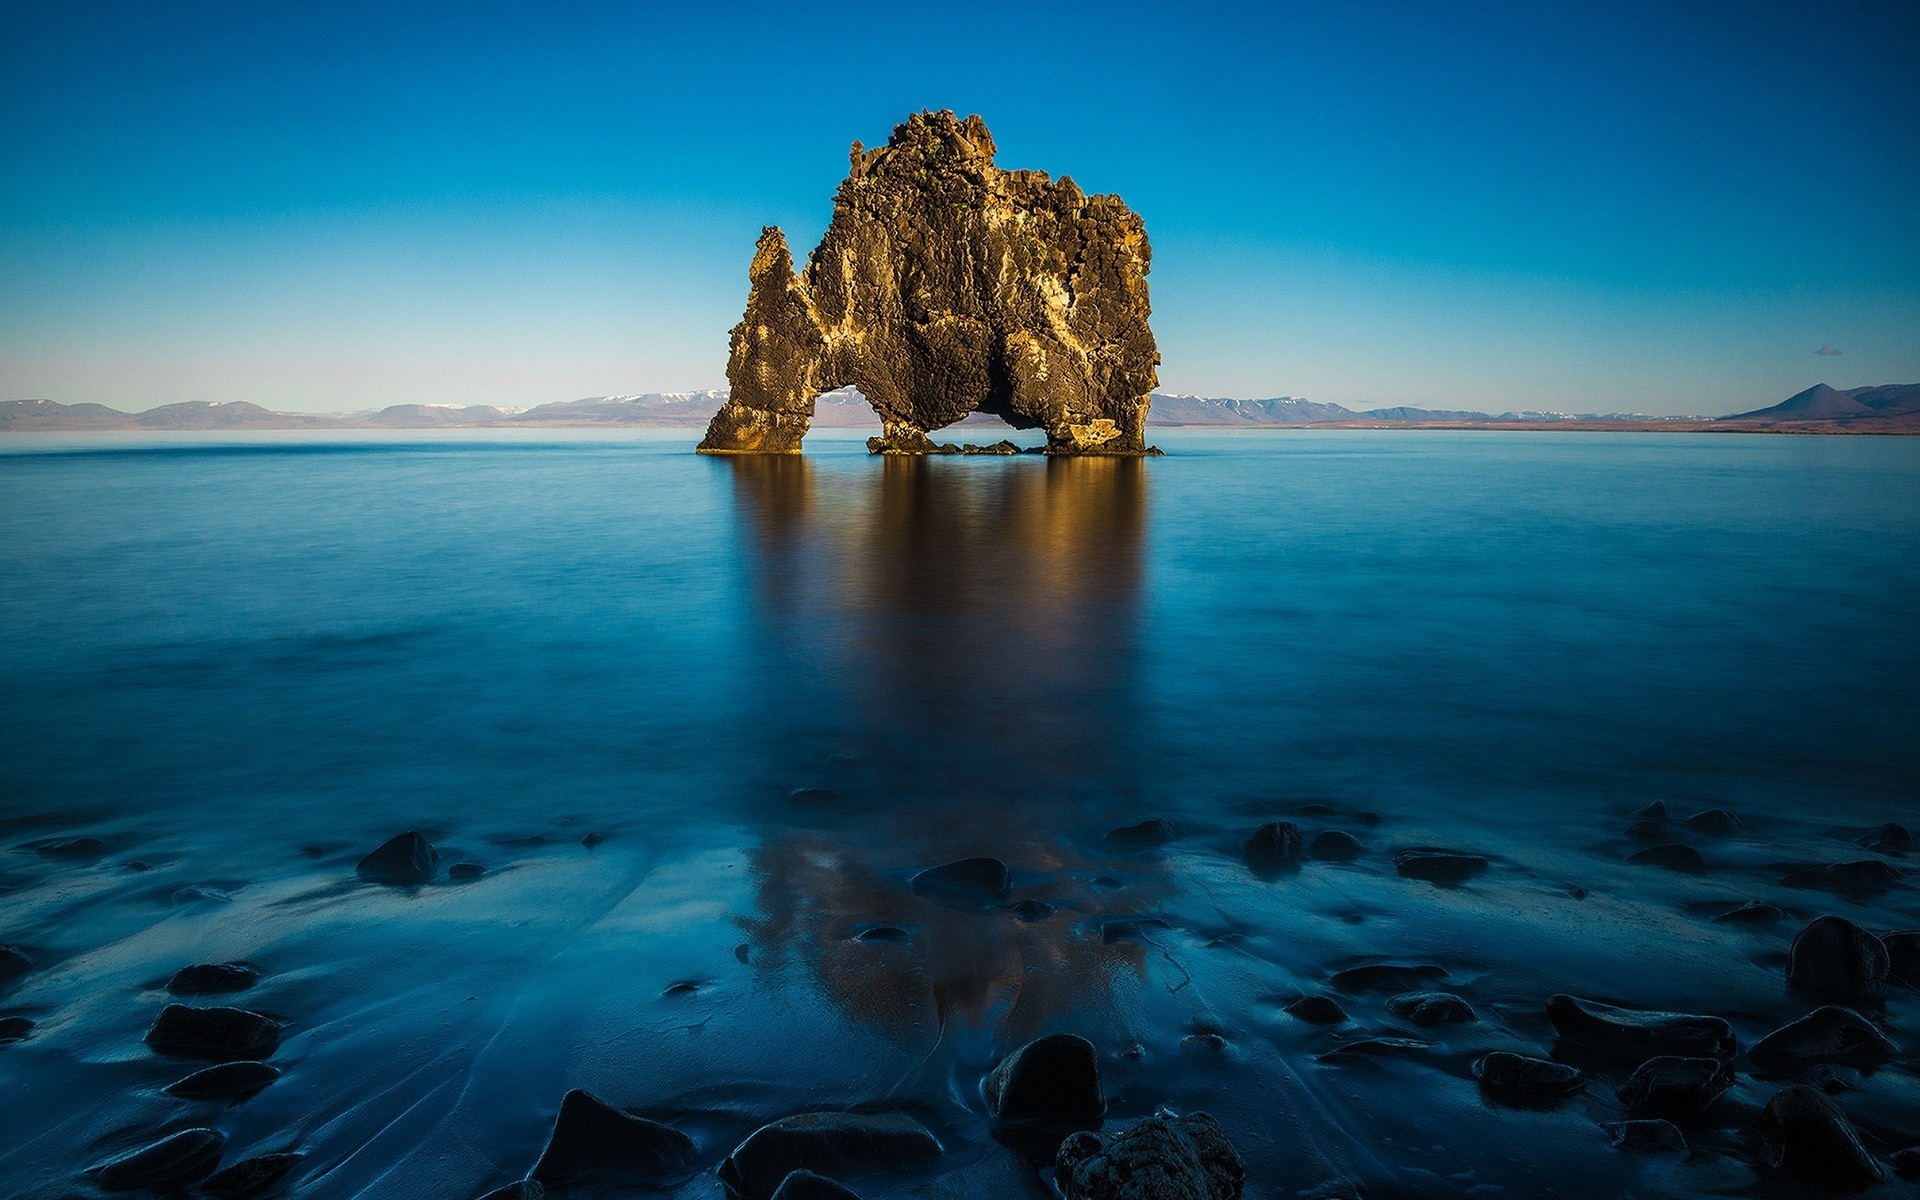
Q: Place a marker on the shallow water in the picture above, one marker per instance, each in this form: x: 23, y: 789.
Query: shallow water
x: 243, y: 664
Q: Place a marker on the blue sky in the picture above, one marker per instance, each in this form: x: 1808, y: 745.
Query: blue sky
x: 1669, y: 208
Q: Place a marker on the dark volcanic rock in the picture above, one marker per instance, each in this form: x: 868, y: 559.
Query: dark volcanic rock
x: 1317, y: 1010
x: 1154, y: 831
x: 205, y: 979
x: 250, y: 1177
x: 830, y: 1143
x: 1647, y: 831
x: 1714, y: 822
x: 1675, y: 1087
x: 1835, y: 957
x: 168, y: 1163
x: 1646, y: 1135
x: 1638, y: 1034
x: 1854, y: 878
x: 594, y: 1140
x: 1273, y: 845
x: 1335, y: 845
x: 944, y: 286
x: 1674, y: 856
x: 1056, y: 1077
x: 1379, y: 977
x: 1427, y: 1009
x: 1160, y: 1158
x: 969, y: 877
x: 1806, y: 1136
x: 1829, y: 1034
x: 1889, y: 839
x: 1438, y: 866
x: 1753, y: 912
x: 406, y: 858
x: 805, y: 1185
x: 1520, y: 1079
x: 228, y: 1081
x: 220, y: 1034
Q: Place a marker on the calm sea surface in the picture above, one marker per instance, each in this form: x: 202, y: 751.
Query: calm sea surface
x: 242, y: 664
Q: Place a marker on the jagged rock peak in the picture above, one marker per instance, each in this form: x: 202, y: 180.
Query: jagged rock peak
x: 944, y: 286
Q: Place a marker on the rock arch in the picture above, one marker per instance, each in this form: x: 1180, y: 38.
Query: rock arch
x: 946, y: 286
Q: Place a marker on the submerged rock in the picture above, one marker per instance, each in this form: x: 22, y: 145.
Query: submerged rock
x: 1903, y: 954
x: 1161, y: 1158
x: 1522, y: 1079
x: 829, y: 1143
x: 1852, y: 878
x: 969, y: 877
x: 805, y: 1185
x: 1399, y: 977
x: 1906, y: 1163
x: 945, y: 286
x: 228, y: 1081
x: 166, y: 1164
x: 1374, y: 1047
x: 1438, y: 866
x: 407, y: 858
x: 1646, y: 1135
x: 1676, y: 1087
x: 1674, y: 856
x: 1273, y: 845
x: 1427, y: 1009
x: 73, y: 849
x: 1829, y: 1034
x: 206, y: 979
x: 1056, y: 1077
x: 1031, y: 910
x: 1647, y: 831
x: 465, y: 872
x: 1656, y: 811
x: 594, y: 1140
x: 14, y: 1029
x: 1317, y: 1010
x: 220, y: 1034
x: 14, y: 963
x: 1154, y: 831
x: 1335, y: 845
x: 1805, y: 1136
x: 1835, y: 957
x: 250, y: 1177
x: 1890, y: 838
x: 1638, y: 1034
x: 1714, y: 822
x: 1753, y: 912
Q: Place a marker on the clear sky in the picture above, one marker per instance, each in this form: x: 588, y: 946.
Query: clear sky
x: 1665, y: 208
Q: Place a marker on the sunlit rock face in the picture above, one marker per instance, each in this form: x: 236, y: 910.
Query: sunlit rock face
x: 946, y: 286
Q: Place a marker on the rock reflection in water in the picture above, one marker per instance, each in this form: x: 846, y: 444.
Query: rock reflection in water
x: 967, y: 641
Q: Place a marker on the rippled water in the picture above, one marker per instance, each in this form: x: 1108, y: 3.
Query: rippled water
x: 243, y: 664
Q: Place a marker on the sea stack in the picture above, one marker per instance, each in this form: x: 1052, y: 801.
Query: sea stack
x: 946, y: 286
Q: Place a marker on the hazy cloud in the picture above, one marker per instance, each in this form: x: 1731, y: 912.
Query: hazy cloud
x: 1828, y: 351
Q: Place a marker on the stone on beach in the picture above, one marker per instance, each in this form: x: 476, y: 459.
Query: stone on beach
x: 250, y: 1177
x: 1647, y: 831
x: 805, y: 1185
x: 1714, y: 822
x: 1673, y: 856
x: 1676, y: 1087
x: 1317, y: 1010
x: 220, y: 1034
x: 1849, y: 878
x: 1335, y: 845
x: 1374, y: 1047
x: 828, y: 1143
x: 594, y: 1140
x: 1154, y: 831
x: 14, y: 1029
x: 1031, y: 910
x: 1056, y: 1077
x: 1523, y: 1079
x: 14, y: 963
x: 73, y: 849
x: 1443, y: 867
x: 1891, y: 838
x: 1805, y: 1136
x: 1656, y: 811
x: 1272, y: 845
x: 1753, y: 912
x: 406, y: 858
x: 227, y: 1081
x: 1160, y: 1158
x: 1427, y: 1009
x: 974, y: 877
x: 205, y: 979
x: 1903, y: 954
x: 165, y: 1165
x: 1379, y: 977
x: 465, y: 872
x: 1834, y: 956
x: 1645, y: 1135
x: 1637, y: 1033
x: 1829, y: 1034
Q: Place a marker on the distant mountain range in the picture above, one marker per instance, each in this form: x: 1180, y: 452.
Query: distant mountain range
x: 1886, y: 408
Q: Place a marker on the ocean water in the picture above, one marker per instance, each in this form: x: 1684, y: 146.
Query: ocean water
x: 243, y: 663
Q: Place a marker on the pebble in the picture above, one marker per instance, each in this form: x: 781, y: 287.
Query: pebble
x: 1835, y: 957
x: 831, y: 1143
x: 220, y: 1034
x: 1520, y: 1078
x: 1805, y: 1136
x: 593, y: 1140
x: 1636, y: 1033
x: 1160, y: 1158
x: 205, y: 979
x: 166, y: 1164
x: 406, y: 858
x: 1056, y: 1077
x: 1273, y: 845
x: 1646, y: 1135
x: 465, y: 872
x: 228, y: 1081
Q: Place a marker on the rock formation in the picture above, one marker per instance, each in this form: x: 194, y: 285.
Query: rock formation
x: 946, y: 286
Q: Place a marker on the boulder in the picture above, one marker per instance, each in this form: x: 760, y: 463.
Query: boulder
x: 1444, y: 867
x: 1638, y: 1034
x: 167, y: 1164
x: 218, y: 1034
x: 1427, y: 1009
x: 1835, y: 957
x: 975, y: 878
x: 1335, y: 845
x: 249, y: 1177
x: 834, y: 1144
x: 404, y: 859
x: 1160, y: 1158
x: 945, y: 286
x: 1805, y: 1136
x: 1053, y: 1078
x: 1521, y: 1079
x: 1669, y: 1086
x: 206, y: 979
x: 1273, y: 845
x: 227, y: 1081
x: 593, y: 1140
x: 1829, y: 1034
